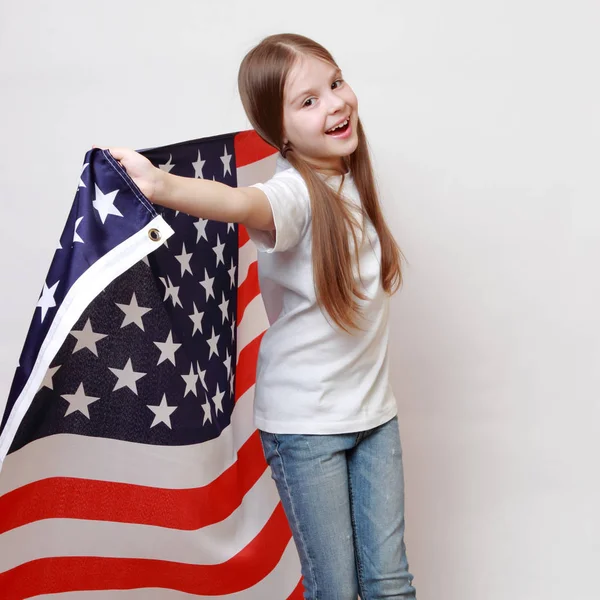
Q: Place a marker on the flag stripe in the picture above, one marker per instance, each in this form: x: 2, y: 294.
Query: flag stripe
x: 246, y: 374
x: 213, y: 544
x: 247, y: 256
x: 248, y: 290
x: 254, y: 323
x: 298, y: 593
x: 277, y: 581
x: 250, y: 148
x: 243, y: 236
x: 126, y: 503
x: 257, y: 172
x: 245, y: 569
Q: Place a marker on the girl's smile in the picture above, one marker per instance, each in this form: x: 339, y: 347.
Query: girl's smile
x: 342, y: 130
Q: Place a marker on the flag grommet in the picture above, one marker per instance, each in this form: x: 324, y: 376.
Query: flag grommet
x: 154, y: 235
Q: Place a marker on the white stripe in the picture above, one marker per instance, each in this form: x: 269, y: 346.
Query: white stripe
x: 82, y: 292
x: 253, y: 323
x: 257, y: 172
x: 277, y: 585
x: 210, y: 545
x: 247, y: 256
x: 171, y: 467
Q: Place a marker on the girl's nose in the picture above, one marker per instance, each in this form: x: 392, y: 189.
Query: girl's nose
x: 335, y: 103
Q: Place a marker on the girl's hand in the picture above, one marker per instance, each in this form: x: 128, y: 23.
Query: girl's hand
x: 145, y: 175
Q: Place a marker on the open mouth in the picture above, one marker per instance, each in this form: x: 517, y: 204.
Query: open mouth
x: 340, y: 128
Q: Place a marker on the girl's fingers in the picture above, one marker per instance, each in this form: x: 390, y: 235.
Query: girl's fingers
x: 118, y: 153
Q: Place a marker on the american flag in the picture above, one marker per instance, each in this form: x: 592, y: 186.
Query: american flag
x: 130, y: 465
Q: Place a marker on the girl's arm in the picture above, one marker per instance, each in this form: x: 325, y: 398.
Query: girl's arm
x: 213, y: 200
x: 198, y: 197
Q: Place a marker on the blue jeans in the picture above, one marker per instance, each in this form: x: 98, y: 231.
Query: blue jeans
x: 343, y: 495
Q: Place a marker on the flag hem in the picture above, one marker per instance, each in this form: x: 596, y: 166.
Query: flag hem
x: 81, y: 294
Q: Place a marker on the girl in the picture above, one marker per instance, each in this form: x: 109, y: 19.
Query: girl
x: 324, y: 407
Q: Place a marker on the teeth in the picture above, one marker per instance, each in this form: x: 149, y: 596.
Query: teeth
x: 338, y: 126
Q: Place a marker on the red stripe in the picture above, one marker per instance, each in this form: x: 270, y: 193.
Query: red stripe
x: 298, y: 593
x: 249, y: 289
x: 243, y: 236
x: 66, y: 574
x: 249, y: 147
x: 70, y: 498
x: 245, y: 376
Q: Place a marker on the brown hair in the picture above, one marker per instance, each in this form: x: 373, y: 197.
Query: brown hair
x: 261, y: 81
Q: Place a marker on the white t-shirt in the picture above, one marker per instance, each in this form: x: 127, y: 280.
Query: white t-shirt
x: 312, y: 377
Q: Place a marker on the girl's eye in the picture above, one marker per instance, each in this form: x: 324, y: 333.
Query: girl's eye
x: 306, y: 102
x: 337, y: 83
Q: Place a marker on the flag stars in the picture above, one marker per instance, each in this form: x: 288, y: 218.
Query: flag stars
x: 87, y: 338
x: 167, y: 349
x: 79, y: 402
x: 76, y: 236
x: 190, y: 382
x: 212, y: 342
x: 127, y: 377
x: 227, y: 363
x: 202, y: 377
x: 207, y: 413
x: 218, y: 250
x: 196, y: 318
x: 226, y: 160
x: 46, y: 300
x: 50, y: 373
x: 224, y: 306
x: 81, y: 184
x: 232, y: 274
x: 133, y: 313
x: 184, y: 261
x: 198, y: 166
x: 200, y: 225
x: 162, y: 412
x: 218, y: 400
x: 207, y: 284
x: 104, y: 204
x: 168, y: 165
x: 171, y: 291
x: 202, y: 384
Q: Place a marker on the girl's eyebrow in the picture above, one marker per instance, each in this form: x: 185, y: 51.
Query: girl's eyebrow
x: 300, y: 95
x: 337, y: 74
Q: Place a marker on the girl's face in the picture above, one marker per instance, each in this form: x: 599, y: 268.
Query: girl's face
x: 317, y: 101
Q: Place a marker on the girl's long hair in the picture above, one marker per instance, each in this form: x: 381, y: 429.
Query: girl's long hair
x: 261, y: 80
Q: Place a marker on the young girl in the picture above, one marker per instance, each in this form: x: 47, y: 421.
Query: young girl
x: 324, y: 406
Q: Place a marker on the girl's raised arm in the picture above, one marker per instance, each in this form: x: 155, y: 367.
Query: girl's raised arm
x: 197, y: 197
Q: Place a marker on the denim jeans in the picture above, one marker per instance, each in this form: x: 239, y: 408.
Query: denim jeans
x: 343, y: 495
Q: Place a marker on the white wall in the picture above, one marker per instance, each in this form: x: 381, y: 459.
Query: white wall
x: 485, y: 126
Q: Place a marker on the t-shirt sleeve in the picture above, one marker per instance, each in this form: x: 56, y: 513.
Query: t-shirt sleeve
x: 288, y: 195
